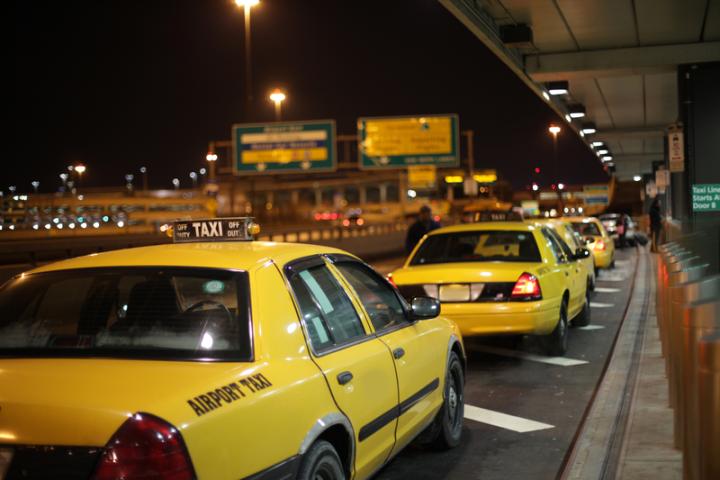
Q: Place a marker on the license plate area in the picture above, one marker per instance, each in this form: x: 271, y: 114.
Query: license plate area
x: 454, y: 293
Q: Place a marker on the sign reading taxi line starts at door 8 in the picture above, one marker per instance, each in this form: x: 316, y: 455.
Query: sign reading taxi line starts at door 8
x: 399, y: 142
x: 706, y: 197
x: 284, y: 147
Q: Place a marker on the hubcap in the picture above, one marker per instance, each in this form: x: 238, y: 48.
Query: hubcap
x: 452, y: 398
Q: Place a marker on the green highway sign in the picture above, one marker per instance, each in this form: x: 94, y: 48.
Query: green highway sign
x: 706, y: 197
x: 400, y: 142
x: 284, y: 147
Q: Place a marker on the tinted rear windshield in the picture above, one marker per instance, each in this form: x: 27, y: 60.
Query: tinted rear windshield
x: 586, y: 228
x: 171, y: 313
x: 484, y: 246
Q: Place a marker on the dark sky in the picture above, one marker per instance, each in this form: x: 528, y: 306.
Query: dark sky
x: 119, y: 84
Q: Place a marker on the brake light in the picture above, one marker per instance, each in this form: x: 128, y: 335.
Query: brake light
x: 145, y: 447
x: 527, y: 287
x: 599, y: 245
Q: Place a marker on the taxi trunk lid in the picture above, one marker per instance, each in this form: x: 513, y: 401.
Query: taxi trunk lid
x: 485, y: 281
x: 82, y: 402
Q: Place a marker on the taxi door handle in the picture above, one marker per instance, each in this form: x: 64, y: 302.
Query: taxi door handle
x: 566, y: 273
x: 398, y: 353
x: 344, y: 377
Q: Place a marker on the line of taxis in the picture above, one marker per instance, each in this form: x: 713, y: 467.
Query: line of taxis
x: 220, y: 357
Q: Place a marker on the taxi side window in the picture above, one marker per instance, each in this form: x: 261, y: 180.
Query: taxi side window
x: 554, y: 246
x: 563, y: 246
x: 379, y: 299
x: 329, y: 315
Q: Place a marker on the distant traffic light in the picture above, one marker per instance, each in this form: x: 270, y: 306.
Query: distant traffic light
x: 537, y: 169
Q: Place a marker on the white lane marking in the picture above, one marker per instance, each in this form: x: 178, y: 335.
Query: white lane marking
x: 612, y: 279
x: 503, y: 420
x: 622, y: 262
x: 606, y: 290
x: 561, y: 361
x: 601, y: 305
x: 591, y: 327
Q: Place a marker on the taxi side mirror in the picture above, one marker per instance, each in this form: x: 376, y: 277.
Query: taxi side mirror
x: 581, y: 253
x: 423, y: 308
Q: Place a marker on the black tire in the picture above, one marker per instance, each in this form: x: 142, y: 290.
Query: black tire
x: 583, y: 318
x: 591, y: 281
x: 555, y: 343
x: 321, y: 462
x: 445, y: 431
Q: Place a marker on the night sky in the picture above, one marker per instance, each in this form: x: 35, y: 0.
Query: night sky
x: 120, y: 84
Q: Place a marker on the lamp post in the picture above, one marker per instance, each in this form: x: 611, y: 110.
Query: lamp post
x: 247, y: 6
x: 554, y: 130
x: 79, y: 169
x: 211, y: 158
x: 35, y: 184
x: 128, y: 179
x: 64, y: 178
x: 194, y: 178
x: 176, y: 183
x: 143, y: 170
x: 277, y: 96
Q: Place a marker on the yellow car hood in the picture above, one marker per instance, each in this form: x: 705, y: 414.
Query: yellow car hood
x: 470, y: 272
x: 82, y: 402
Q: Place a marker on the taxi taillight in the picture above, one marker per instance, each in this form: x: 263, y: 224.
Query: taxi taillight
x: 145, y: 447
x: 527, y: 287
x: 599, y: 245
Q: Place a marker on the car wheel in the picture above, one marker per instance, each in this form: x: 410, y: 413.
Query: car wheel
x: 555, y: 343
x: 321, y: 462
x: 583, y: 318
x: 446, y: 429
x: 591, y: 281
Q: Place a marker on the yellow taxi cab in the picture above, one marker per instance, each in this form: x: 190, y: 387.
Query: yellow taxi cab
x: 574, y: 241
x: 218, y: 359
x: 500, y: 278
x: 597, y: 240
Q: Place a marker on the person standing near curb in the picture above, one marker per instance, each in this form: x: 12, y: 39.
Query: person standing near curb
x: 422, y: 226
x: 655, y: 224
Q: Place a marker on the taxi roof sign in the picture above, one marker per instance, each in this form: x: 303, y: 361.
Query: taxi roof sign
x: 231, y: 229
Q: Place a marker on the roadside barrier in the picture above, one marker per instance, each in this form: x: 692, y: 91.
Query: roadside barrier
x: 688, y: 316
x: 709, y: 407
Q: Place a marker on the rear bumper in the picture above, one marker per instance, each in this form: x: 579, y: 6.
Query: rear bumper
x: 603, y: 259
x: 503, y: 317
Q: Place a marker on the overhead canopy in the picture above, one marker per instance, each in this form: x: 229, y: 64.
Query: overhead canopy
x: 620, y: 58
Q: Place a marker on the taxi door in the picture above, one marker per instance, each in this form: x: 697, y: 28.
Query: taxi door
x: 572, y: 271
x: 418, y: 348
x: 357, y: 366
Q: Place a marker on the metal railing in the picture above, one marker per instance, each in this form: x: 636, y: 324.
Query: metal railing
x: 688, y: 314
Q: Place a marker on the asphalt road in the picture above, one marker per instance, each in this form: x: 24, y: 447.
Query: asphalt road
x: 522, y: 414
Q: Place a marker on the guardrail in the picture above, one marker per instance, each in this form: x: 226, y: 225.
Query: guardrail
x: 688, y: 314
x: 389, y: 236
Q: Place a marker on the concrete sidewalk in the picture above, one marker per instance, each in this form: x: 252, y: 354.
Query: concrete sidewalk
x: 647, y: 450
x: 628, y: 430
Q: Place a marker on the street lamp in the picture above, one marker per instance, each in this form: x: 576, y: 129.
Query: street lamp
x: 64, y: 177
x: 211, y: 158
x: 554, y: 130
x: 247, y: 5
x: 143, y: 170
x: 176, y: 183
x: 79, y: 169
x: 129, y: 178
x: 277, y: 96
x: 35, y: 184
x: 194, y: 178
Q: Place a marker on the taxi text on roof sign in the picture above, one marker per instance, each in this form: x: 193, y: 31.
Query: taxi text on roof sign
x: 215, y: 230
x: 286, y: 147
x: 398, y: 142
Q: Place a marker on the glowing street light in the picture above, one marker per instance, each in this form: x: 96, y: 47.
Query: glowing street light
x: 194, y: 178
x: 247, y: 6
x: 35, y: 184
x: 143, y: 170
x: 277, y: 96
x: 211, y: 158
x: 80, y: 169
x: 176, y: 183
x: 554, y: 130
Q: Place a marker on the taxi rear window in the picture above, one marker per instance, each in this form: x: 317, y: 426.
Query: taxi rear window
x: 478, y: 246
x: 149, y: 312
x: 587, y: 228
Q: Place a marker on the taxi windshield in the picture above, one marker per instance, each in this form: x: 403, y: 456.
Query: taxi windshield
x: 479, y: 246
x: 148, y: 312
x: 587, y: 228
